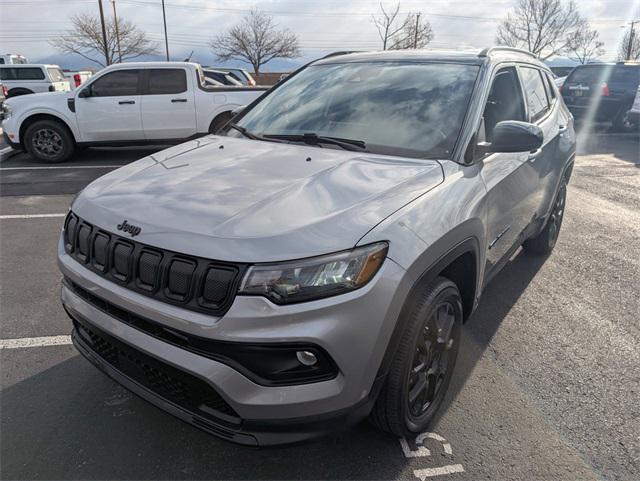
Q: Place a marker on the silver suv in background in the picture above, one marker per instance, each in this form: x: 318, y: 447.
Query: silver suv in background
x: 314, y: 264
x: 22, y: 79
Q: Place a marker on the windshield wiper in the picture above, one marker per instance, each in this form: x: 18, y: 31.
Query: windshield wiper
x: 251, y: 135
x: 315, y: 139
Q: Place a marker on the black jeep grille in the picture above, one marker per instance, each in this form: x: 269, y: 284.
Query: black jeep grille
x: 191, y: 282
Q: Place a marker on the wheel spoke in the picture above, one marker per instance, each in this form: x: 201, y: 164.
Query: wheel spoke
x: 417, y: 389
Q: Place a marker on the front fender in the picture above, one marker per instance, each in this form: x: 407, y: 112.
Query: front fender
x: 69, y: 120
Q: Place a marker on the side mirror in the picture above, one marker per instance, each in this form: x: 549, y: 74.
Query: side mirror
x: 85, y: 92
x: 514, y: 136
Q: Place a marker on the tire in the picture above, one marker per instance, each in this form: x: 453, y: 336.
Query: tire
x: 545, y: 241
x: 623, y: 122
x: 424, y: 358
x: 219, y: 121
x: 49, y: 141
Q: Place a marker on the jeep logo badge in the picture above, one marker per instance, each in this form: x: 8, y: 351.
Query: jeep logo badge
x: 134, y: 230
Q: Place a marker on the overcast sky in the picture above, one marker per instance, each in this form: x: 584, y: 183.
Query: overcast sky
x: 322, y: 25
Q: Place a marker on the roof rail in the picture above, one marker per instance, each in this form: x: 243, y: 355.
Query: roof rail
x: 487, y: 51
x: 335, y: 54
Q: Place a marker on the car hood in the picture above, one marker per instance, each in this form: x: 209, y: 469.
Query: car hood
x: 245, y: 200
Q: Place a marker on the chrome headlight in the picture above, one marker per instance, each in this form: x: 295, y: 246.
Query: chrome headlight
x: 7, y: 111
x: 315, y: 277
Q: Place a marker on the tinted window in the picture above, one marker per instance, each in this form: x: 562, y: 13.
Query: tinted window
x: 55, y: 74
x: 167, y: 81
x: 549, y: 84
x: 590, y: 74
x: 535, y: 92
x: 396, y: 108
x: 505, y: 101
x: 8, y: 73
x: 30, y: 74
x: 1, y: 60
x: 116, y: 84
x: 593, y: 74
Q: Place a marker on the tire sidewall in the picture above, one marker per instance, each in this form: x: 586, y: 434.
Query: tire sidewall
x: 448, y: 292
x: 67, y: 141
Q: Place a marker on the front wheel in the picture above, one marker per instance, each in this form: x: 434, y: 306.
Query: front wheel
x: 544, y: 242
x: 422, y: 368
x: 49, y: 141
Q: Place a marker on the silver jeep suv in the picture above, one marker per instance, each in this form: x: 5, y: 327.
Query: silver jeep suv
x: 313, y: 264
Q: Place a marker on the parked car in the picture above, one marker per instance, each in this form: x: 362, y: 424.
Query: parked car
x: 123, y: 104
x: 602, y: 92
x: 314, y: 264
x: 12, y: 58
x: 221, y: 78
x: 3, y: 96
x: 33, y: 78
x: 634, y: 113
x: 77, y: 78
x: 239, y: 74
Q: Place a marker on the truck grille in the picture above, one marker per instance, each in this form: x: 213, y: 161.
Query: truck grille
x: 194, y: 283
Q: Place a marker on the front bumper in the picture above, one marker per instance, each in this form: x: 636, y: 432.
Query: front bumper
x: 354, y: 329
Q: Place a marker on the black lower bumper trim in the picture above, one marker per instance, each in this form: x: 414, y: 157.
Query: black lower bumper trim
x: 247, y: 432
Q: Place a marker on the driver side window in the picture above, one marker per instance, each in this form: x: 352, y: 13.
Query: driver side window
x: 505, y: 101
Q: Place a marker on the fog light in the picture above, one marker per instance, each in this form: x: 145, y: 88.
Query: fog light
x: 306, y: 357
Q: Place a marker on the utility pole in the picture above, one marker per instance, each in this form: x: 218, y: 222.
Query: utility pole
x: 631, y: 34
x: 104, y: 35
x: 166, y: 40
x: 415, y: 36
x: 115, y: 20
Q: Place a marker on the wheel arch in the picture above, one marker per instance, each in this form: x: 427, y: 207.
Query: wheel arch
x: 220, y: 119
x: 17, y: 91
x: 28, y: 121
x: 454, y: 264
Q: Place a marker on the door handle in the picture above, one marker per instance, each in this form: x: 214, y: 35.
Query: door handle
x: 533, y: 155
x: 562, y: 129
x: 178, y: 100
x: 123, y: 102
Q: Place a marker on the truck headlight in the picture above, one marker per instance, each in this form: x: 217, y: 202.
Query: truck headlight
x: 315, y: 277
x: 6, y: 111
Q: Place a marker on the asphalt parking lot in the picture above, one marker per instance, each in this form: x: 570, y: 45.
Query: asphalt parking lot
x: 547, y: 386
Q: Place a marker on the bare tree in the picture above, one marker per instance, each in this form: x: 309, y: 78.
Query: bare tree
x: 85, y: 39
x: 584, y: 45
x: 256, y: 40
x: 386, y: 25
x: 544, y: 27
x: 411, y: 32
x: 629, y: 50
x: 415, y: 33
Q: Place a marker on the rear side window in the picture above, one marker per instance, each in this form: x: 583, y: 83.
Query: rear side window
x: 116, y: 84
x: 30, y: 74
x: 167, y: 81
x: 7, y: 73
x: 535, y: 91
x: 55, y: 74
x: 549, y: 84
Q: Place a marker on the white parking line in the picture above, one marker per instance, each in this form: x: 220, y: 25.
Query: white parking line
x: 35, y: 342
x: 425, y: 473
x: 64, y: 167
x: 29, y: 216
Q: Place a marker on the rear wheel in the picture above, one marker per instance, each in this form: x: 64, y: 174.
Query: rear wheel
x: 422, y: 368
x: 544, y: 242
x: 49, y: 141
x: 624, y: 123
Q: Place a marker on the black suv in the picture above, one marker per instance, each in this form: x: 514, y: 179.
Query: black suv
x: 603, y: 93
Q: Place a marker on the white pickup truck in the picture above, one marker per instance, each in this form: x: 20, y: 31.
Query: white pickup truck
x: 124, y: 104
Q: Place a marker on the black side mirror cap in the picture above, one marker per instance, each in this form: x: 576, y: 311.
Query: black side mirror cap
x: 515, y: 136
x: 84, y: 93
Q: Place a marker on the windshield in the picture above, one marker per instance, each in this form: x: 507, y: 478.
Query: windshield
x: 409, y: 109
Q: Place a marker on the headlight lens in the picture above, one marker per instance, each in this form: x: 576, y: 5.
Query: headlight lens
x: 6, y: 111
x: 316, y: 277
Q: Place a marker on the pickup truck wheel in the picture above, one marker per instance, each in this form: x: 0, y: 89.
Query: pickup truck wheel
x: 422, y: 368
x: 219, y: 121
x: 544, y: 242
x: 49, y: 141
